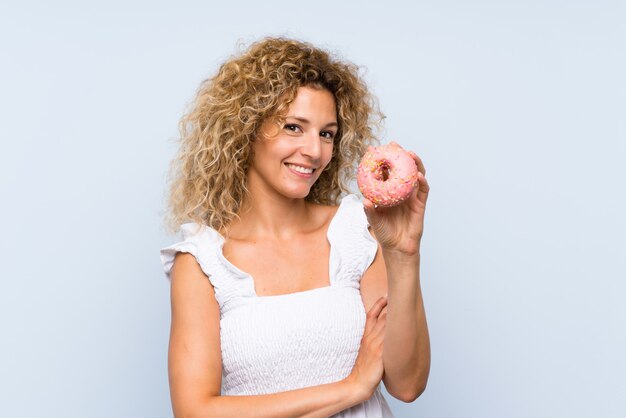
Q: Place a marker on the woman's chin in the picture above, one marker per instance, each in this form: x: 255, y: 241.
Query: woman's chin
x: 297, y: 193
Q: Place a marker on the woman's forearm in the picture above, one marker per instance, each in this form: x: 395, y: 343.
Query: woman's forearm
x: 406, y: 352
x: 319, y: 401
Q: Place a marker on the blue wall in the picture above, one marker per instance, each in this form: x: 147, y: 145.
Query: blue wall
x: 516, y: 108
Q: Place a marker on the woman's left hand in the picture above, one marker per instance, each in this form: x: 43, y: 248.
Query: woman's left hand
x: 399, y: 228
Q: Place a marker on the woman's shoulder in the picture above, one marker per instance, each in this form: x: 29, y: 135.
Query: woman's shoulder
x: 199, y: 233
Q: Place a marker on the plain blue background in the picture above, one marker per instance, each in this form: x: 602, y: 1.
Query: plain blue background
x: 517, y: 109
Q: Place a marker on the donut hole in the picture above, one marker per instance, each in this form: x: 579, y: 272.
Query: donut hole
x: 382, y: 172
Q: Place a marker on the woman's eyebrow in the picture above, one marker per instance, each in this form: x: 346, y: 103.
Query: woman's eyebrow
x: 305, y: 120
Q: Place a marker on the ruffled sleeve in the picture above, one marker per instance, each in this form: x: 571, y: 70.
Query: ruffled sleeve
x: 205, y: 244
x: 356, y: 246
x: 192, y: 234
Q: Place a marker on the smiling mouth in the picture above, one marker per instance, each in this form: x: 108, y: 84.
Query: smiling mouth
x: 300, y: 169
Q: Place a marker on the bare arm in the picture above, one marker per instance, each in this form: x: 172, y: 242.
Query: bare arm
x: 407, y: 343
x: 195, y: 363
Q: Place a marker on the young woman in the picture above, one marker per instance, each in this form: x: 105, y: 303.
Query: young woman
x: 279, y: 285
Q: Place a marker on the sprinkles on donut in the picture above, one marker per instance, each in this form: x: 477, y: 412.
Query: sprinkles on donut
x: 387, y: 175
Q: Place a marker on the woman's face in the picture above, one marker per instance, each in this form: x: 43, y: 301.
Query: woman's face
x: 287, y: 162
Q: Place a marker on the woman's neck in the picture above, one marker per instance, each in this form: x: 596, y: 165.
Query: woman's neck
x: 269, y: 216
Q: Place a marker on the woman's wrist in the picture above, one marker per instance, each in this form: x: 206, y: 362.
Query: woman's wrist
x: 397, y: 256
x: 354, y: 390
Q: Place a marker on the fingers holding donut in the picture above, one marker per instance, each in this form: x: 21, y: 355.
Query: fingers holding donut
x: 423, y: 188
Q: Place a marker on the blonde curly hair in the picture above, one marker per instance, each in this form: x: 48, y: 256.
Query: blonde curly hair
x: 207, y: 178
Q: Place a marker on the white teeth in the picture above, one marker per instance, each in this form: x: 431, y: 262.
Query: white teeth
x: 300, y: 169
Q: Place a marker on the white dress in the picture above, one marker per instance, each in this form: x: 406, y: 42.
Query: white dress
x: 283, y: 342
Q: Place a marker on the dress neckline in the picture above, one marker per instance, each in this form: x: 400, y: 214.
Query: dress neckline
x: 248, y: 276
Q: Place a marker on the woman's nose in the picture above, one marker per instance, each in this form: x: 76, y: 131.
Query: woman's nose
x: 312, y: 146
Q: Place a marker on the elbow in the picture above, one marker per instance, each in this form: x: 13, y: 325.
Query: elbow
x: 417, y: 393
x: 410, y: 395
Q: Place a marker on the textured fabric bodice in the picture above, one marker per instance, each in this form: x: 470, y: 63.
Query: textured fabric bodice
x: 278, y: 343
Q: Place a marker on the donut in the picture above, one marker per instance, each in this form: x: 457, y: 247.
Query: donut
x: 387, y: 175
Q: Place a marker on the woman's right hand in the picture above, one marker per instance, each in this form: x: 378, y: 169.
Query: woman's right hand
x: 367, y: 371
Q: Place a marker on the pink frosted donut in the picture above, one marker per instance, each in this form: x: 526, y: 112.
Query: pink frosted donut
x: 387, y: 175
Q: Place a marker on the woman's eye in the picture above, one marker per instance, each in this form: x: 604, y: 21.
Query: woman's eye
x: 292, y: 127
x: 327, y: 135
